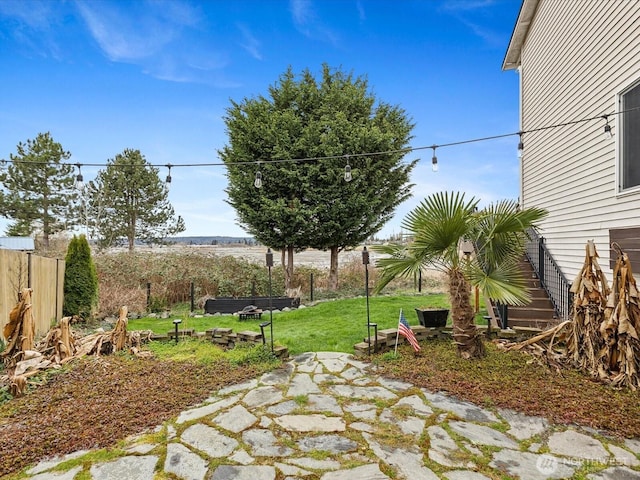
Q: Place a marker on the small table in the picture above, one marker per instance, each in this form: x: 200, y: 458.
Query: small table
x: 254, y: 315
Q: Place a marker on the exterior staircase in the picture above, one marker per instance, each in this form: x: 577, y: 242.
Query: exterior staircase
x: 540, y: 312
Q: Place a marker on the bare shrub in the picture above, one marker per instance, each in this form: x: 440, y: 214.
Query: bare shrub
x: 123, y: 279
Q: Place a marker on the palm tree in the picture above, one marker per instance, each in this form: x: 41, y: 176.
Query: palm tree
x: 437, y: 227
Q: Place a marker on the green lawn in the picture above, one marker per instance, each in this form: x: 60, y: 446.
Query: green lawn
x: 328, y: 326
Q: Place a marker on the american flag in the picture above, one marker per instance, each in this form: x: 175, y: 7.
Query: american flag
x: 405, y: 331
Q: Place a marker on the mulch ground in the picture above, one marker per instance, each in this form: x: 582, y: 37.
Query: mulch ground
x: 98, y: 401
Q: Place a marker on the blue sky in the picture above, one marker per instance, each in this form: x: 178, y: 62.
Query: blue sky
x: 157, y: 76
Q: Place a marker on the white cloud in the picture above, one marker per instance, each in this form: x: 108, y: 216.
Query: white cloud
x: 123, y: 36
x: 164, y: 38
x: 308, y: 23
x: 466, y: 5
x: 31, y: 25
x: 250, y: 43
x: 362, y: 15
x: 461, y: 8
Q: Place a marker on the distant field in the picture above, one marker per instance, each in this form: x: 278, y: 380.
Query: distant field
x: 311, y: 257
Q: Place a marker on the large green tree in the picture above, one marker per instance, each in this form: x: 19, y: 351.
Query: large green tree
x: 128, y: 200
x: 37, y: 189
x: 437, y: 227
x: 326, y: 123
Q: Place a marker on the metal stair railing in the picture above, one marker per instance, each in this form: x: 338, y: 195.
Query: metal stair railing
x: 552, y: 280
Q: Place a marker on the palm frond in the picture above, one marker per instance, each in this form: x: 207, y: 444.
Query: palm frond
x: 439, y: 223
x: 400, y: 263
x: 504, y: 282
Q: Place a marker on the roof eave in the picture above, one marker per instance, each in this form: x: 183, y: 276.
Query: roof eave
x: 519, y: 35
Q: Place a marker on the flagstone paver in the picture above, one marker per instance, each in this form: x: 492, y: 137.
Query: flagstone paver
x: 302, y: 384
x: 530, y: 466
x: 615, y: 473
x: 311, y: 423
x: 575, y: 444
x: 236, y: 420
x: 209, y: 440
x: 68, y: 475
x: 131, y: 468
x: 465, y: 410
x: 367, y: 425
x: 443, y: 449
x: 523, y: 426
x: 480, y: 434
x: 624, y: 457
x: 183, y: 463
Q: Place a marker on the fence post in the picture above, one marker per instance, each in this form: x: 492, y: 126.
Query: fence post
x: 541, y: 260
x: 29, y: 270
x: 57, y: 286
x: 419, y: 280
x: 148, y: 296
x: 193, y: 293
x: 311, y: 286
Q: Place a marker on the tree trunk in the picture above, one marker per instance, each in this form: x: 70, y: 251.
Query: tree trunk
x: 465, y: 334
x: 333, y: 269
x: 288, y: 268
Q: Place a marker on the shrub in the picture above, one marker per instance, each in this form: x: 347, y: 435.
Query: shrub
x: 80, y: 279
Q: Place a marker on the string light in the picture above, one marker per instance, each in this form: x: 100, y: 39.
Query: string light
x: 434, y: 159
x: 258, y: 181
x: 369, y: 154
x: 520, y: 145
x: 347, y: 170
x: 168, y: 179
x: 608, y: 134
x: 79, y: 184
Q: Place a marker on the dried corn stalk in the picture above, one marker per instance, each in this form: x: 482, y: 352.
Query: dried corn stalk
x: 590, y: 289
x: 59, y: 346
x: 20, y: 331
x: 602, y: 338
x: 620, y: 354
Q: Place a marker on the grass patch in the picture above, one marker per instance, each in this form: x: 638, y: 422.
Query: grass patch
x: 331, y: 326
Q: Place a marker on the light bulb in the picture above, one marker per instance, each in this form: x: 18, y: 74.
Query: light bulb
x: 258, y: 181
x: 347, y: 173
x: 608, y: 134
x: 434, y: 163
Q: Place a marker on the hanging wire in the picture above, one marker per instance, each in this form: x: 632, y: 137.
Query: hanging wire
x: 372, y: 154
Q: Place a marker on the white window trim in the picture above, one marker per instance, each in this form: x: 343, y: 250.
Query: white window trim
x: 619, y: 191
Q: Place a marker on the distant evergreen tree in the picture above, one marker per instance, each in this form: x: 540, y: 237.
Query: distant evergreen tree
x: 37, y: 189
x: 80, y: 279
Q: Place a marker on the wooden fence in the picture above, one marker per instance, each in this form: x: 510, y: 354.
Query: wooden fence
x: 45, y: 276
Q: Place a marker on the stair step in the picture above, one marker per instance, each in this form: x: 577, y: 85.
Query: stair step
x: 534, y: 323
x: 530, y: 312
x: 540, y: 302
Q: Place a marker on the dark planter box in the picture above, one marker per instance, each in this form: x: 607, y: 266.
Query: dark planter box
x: 436, y: 317
x: 235, y: 304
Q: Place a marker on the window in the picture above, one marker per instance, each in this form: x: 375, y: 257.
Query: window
x: 630, y: 136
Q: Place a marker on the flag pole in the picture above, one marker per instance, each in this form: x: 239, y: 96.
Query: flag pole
x: 395, y: 351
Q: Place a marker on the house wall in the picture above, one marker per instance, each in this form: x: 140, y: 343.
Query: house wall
x: 576, y: 58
